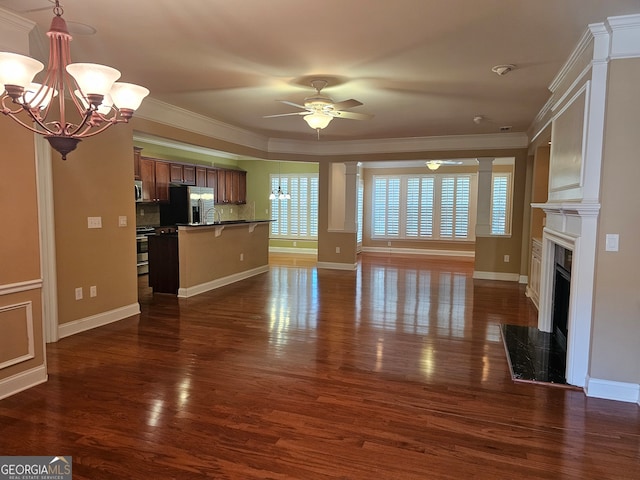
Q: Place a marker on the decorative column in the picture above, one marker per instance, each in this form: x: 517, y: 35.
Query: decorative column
x: 483, y: 219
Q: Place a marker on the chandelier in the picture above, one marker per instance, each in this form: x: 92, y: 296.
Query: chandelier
x: 99, y: 100
x: 280, y: 194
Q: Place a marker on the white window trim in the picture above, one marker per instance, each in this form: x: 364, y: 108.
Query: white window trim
x: 473, y: 197
x: 509, y: 204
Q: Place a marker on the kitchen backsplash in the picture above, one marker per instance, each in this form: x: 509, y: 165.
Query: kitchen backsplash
x: 148, y: 214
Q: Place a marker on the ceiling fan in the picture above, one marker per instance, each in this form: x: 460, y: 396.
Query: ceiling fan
x: 319, y: 109
x: 436, y: 164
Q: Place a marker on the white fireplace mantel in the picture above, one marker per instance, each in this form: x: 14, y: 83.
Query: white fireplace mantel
x: 573, y: 225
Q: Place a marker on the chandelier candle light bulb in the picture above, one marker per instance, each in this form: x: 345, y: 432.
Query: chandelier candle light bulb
x: 99, y: 100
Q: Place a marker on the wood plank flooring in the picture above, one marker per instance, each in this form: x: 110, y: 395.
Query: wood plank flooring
x: 394, y: 371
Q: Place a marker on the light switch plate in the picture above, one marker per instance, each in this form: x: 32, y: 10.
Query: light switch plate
x: 94, y: 222
x: 122, y: 221
x: 612, y: 241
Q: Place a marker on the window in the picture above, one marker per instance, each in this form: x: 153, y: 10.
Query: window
x: 501, y: 204
x: 298, y: 216
x: 424, y: 207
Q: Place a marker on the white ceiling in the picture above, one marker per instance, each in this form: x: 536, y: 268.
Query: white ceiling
x: 422, y: 67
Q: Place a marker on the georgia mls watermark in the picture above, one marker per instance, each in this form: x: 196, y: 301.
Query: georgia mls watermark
x: 35, y: 468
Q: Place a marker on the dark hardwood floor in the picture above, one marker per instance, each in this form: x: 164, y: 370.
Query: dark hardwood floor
x: 394, y: 371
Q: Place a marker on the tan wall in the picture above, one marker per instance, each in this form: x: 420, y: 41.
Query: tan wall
x: 616, y: 320
x: 95, y: 180
x: 490, y: 251
x: 19, y: 252
x: 205, y: 257
x: 539, y: 189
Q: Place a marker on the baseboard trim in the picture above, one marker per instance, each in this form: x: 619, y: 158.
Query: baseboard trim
x: 337, y: 266
x: 504, y: 277
x: 301, y: 251
x: 23, y: 381
x: 610, y: 390
x: 221, y: 282
x: 420, y: 251
x: 524, y: 280
x: 98, y: 320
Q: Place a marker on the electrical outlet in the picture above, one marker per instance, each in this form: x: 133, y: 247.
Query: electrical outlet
x: 242, y: 257
x: 295, y: 244
x: 122, y: 221
x: 506, y: 259
x: 337, y: 249
x: 388, y: 244
x: 142, y: 212
x: 93, y: 291
x: 94, y: 222
x: 79, y: 293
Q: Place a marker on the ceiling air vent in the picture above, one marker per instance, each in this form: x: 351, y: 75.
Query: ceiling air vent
x: 505, y: 129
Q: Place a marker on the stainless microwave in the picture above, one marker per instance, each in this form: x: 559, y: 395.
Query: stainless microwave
x: 137, y: 187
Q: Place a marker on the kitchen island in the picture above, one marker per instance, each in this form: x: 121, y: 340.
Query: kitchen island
x: 199, y: 258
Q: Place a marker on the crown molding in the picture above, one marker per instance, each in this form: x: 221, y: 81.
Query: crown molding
x: 625, y: 38
x: 170, y: 115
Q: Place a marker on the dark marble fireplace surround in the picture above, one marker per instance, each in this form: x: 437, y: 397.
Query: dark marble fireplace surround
x: 537, y: 356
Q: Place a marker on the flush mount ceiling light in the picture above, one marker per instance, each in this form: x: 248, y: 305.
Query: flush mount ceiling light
x: 503, y: 69
x: 99, y: 100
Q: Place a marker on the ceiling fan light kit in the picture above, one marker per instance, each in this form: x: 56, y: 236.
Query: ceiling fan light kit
x: 320, y: 109
x: 99, y: 100
x: 433, y: 165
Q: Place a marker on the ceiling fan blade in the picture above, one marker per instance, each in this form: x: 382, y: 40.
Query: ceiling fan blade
x: 347, y: 104
x: 285, y: 114
x: 352, y: 115
x: 287, y: 102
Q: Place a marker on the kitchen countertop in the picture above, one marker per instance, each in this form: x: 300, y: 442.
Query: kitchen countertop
x: 224, y: 223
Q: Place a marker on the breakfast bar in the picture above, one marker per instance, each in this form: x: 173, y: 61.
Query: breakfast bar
x: 193, y: 259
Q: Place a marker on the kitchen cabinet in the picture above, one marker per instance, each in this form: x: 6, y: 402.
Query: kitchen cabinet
x: 221, y: 191
x: 183, y: 174
x: 155, y: 176
x: 137, y: 153
x: 235, y: 186
x: 201, y: 176
x: 230, y: 185
x: 212, y: 180
x: 163, y: 263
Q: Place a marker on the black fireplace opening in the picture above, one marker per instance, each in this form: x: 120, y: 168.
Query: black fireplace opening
x: 561, y: 291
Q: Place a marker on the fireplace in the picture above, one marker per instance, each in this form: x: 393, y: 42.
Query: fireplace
x: 566, y: 281
x: 561, y: 295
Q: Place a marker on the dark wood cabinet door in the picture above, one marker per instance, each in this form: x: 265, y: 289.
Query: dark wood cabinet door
x: 148, y: 177
x: 163, y: 177
x: 137, y: 153
x: 231, y: 185
x: 176, y: 173
x: 201, y: 176
x: 242, y: 187
x: 163, y: 263
x: 212, y: 182
x: 189, y: 174
x: 221, y: 194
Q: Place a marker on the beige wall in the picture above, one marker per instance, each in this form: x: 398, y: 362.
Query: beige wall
x: 20, y: 275
x: 95, y: 181
x: 205, y: 257
x: 616, y: 321
x: 539, y: 189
